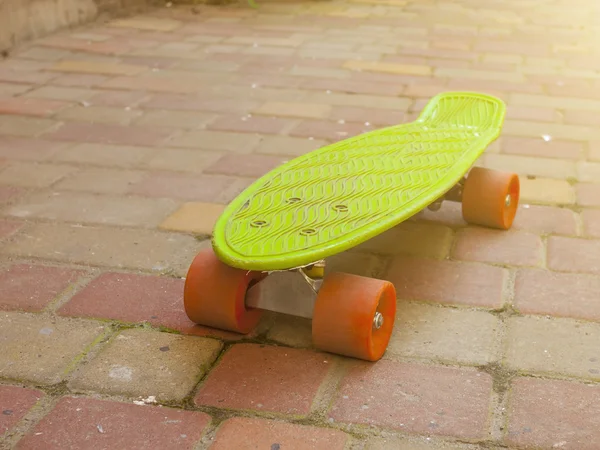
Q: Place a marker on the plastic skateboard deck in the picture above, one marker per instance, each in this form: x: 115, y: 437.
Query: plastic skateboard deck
x: 336, y: 197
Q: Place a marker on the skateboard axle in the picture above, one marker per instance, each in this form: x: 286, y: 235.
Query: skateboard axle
x: 377, y: 320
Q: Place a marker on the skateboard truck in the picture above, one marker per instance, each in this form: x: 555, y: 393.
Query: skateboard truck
x: 298, y: 287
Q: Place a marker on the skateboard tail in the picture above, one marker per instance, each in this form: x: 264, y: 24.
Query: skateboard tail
x: 471, y: 110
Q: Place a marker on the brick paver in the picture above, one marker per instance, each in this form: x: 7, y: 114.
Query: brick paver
x: 435, y: 281
x: 121, y: 248
x: 543, y: 292
x: 194, y: 217
x: 559, y: 346
x: 86, y: 208
x: 553, y: 414
x: 574, y: 255
x: 547, y: 191
x: 44, y: 350
x: 15, y: 402
x: 32, y: 287
x: 141, y: 363
x: 408, y: 238
x: 104, y: 181
x: 122, y: 141
x: 416, y: 442
x: 516, y: 248
x: 182, y: 160
x: 588, y: 194
x: 9, y: 193
x: 78, y: 422
x: 416, y: 398
x: 32, y: 174
x: 445, y: 334
x: 136, y: 299
x: 113, y: 156
x: 546, y: 219
x: 8, y: 228
x: 233, y: 433
x: 252, y: 376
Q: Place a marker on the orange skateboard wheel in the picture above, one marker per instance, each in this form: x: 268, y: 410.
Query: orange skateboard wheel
x: 490, y: 198
x: 345, y: 314
x: 214, y: 294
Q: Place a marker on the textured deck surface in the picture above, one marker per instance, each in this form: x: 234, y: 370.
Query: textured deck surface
x: 345, y: 193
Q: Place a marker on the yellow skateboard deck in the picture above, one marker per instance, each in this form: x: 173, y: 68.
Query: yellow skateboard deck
x: 348, y: 192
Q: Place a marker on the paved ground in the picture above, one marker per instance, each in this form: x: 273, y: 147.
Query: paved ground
x: 120, y: 143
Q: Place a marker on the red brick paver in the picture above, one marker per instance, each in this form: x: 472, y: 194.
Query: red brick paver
x: 265, y: 378
x: 233, y: 433
x: 553, y: 414
x: 12, y: 147
x: 542, y: 148
x: 136, y: 298
x: 31, y: 106
x: 8, y: 193
x: 8, y: 227
x: 416, y: 398
x: 207, y: 188
x: 31, y: 287
x: 110, y: 134
x: 515, y: 247
x: 15, y: 402
x: 543, y: 292
x: 122, y: 141
x: 448, y: 282
x: 574, y: 255
x: 129, y: 298
x: 588, y: 194
x: 252, y: 166
x: 591, y: 222
x: 546, y: 219
x: 89, y: 423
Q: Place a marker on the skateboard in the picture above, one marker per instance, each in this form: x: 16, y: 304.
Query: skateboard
x: 276, y: 235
